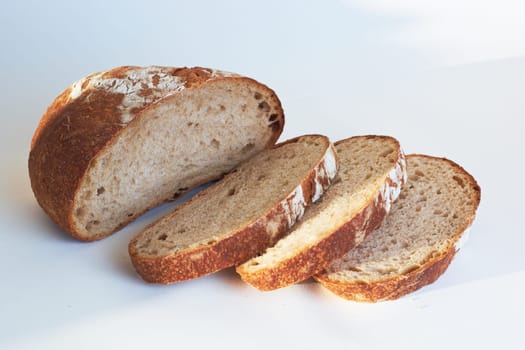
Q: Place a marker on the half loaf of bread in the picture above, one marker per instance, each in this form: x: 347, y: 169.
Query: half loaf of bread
x: 418, y: 239
x: 119, y: 142
x: 238, y: 217
x: 372, y: 171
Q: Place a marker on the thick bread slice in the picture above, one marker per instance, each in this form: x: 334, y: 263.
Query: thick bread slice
x: 418, y: 239
x: 119, y: 142
x: 249, y: 210
x: 372, y: 170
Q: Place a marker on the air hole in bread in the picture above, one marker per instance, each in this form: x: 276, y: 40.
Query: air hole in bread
x: 261, y: 177
x: 257, y: 96
x: 273, y: 117
x: 458, y: 180
x: 189, y: 123
x: 90, y: 225
x: 100, y: 190
x: 438, y: 212
x: 179, y: 192
x: 264, y: 106
x: 231, y: 192
x: 162, y: 237
x: 248, y: 147
x: 419, y: 173
x: 222, y: 108
x: 353, y: 268
x: 215, y: 143
x: 81, y: 211
x: 275, y: 125
x: 418, y: 208
x: 336, y: 180
x: 181, y: 230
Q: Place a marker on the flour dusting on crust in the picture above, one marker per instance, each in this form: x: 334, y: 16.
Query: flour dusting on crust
x: 140, y: 86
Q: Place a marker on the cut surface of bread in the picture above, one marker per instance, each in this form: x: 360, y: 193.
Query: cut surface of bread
x: 418, y: 239
x: 250, y: 209
x: 120, y: 142
x: 371, y: 173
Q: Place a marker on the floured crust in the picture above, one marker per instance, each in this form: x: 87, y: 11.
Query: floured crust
x: 313, y: 259
x: 399, y: 285
x: 250, y: 240
x: 88, y: 117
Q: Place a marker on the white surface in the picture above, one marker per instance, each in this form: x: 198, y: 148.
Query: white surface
x: 338, y: 71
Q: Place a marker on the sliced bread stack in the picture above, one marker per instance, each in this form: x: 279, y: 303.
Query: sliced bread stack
x: 372, y: 170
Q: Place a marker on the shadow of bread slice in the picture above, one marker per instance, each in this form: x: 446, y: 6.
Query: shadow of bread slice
x: 120, y: 142
x: 238, y: 217
x: 418, y: 239
x: 372, y: 170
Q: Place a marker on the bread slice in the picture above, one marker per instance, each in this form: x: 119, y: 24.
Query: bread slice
x: 119, y: 142
x: 372, y: 170
x: 416, y: 242
x: 238, y: 217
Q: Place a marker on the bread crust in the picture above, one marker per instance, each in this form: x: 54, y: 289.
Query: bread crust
x: 397, y: 286
x: 314, y: 259
x: 392, y: 288
x: 241, y: 245
x: 83, y: 121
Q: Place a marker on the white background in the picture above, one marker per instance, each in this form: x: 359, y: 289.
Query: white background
x: 446, y: 79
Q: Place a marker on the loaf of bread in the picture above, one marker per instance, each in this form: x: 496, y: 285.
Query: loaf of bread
x: 372, y: 171
x: 119, y: 142
x: 238, y: 217
x: 418, y: 239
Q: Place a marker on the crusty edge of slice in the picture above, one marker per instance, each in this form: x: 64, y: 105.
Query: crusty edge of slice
x: 241, y: 245
x: 400, y: 285
x: 315, y: 258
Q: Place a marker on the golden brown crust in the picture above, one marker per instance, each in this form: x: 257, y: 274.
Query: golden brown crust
x: 392, y: 288
x: 397, y: 286
x: 78, y: 125
x: 235, y: 249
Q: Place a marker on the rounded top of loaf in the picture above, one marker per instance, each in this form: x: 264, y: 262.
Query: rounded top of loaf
x: 119, y: 94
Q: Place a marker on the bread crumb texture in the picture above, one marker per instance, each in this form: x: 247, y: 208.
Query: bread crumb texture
x: 231, y: 221
x: 416, y: 241
x: 372, y: 170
